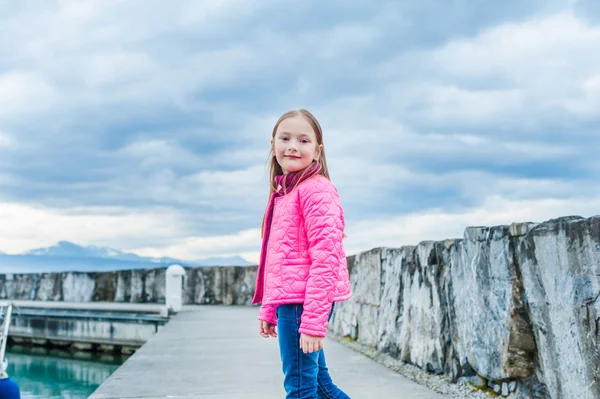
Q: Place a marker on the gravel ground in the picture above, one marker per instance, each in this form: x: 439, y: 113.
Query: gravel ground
x: 438, y: 383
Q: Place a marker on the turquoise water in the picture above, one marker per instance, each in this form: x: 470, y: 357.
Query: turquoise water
x: 58, y: 374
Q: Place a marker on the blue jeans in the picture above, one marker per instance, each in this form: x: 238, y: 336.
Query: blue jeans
x: 306, y: 374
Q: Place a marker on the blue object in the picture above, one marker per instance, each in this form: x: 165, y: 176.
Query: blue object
x: 9, y: 389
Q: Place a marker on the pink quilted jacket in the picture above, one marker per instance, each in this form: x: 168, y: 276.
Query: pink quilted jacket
x: 302, y: 258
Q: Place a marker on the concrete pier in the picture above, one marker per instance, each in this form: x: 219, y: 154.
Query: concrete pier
x: 103, y: 327
x: 152, y: 308
x: 216, y: 352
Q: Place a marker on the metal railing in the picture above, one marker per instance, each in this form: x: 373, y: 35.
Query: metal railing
x: 5, y: 314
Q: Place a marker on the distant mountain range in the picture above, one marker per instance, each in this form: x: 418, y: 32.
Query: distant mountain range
x: 67, y: 256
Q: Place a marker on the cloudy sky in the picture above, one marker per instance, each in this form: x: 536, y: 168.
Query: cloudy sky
x: 145, y: 125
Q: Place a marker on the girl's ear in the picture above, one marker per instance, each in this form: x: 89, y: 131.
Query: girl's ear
x: 318, y: 152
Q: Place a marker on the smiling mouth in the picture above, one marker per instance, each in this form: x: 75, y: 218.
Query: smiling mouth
x: 289, y: 156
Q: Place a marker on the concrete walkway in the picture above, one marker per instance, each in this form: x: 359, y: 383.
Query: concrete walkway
x: 215, y: 352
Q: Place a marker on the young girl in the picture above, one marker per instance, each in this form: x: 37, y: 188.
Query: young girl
x: 302, y: 269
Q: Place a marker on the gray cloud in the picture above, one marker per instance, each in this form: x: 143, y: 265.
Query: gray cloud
x: 141, y: 104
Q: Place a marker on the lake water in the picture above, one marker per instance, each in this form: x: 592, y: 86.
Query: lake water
x: 59, y: 374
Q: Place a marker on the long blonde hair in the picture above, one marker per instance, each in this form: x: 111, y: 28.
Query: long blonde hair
x: 275, y: 168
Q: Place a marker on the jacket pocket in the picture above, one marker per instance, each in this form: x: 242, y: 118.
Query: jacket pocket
x: 296, y: 262
x: 294, y: 273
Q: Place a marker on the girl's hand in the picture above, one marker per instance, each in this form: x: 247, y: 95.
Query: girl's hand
x: 310, y: 344
x: 267, y: 329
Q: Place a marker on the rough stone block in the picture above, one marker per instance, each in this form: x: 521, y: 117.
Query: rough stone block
x: 560, y: 264
x: 490, y: 330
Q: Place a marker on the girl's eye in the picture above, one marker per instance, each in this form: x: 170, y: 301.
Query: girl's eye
x: 304, y: 141
x: 284, y: 139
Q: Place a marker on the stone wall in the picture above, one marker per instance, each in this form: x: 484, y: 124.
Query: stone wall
x: 514, y: 307
x: 203, y: 285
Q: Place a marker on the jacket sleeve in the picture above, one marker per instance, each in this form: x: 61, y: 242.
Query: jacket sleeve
x: 268, y: 313
x: 324, y: 230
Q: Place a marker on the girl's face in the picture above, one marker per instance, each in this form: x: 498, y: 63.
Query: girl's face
x: 295, y: 144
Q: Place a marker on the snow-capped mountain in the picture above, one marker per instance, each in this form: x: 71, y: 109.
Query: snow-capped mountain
x: 67, y: 256
x: 69, y: 249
